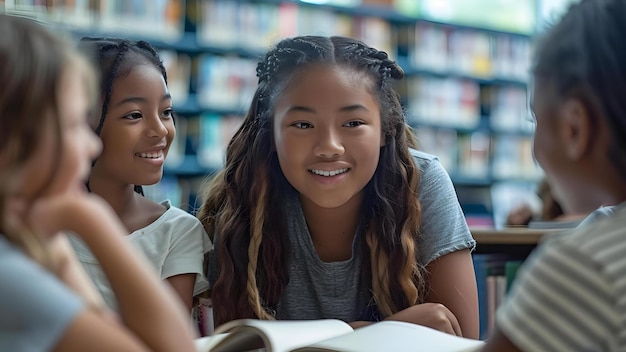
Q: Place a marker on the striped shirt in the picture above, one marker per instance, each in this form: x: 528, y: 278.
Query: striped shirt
x: 571, y: 293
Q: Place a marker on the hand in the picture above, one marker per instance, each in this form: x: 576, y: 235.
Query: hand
x: 73, y: 212
x: 520, y: 215
x: 433, y: 315
x: 359, y: 324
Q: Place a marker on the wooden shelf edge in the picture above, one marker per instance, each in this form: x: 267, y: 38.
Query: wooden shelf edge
x: 510, y: 236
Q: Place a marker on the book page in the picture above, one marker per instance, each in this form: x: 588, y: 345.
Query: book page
x: 396, y: 336
x: 277, y: 336
x: 203, y: 344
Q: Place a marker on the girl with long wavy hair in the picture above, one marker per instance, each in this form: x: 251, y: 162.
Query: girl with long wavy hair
x: 324, y: 209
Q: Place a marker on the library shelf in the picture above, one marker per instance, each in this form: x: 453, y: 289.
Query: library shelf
x: 475, y: 77
x: 509, y: 235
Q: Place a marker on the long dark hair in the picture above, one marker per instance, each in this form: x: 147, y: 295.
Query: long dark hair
x: 240, y: 205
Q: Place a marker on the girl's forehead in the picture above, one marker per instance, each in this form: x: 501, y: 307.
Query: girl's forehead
x: 319, y: 74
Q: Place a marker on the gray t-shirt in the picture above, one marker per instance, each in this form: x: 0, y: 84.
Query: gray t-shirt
x: 319, y: 290
x: 35, y: 307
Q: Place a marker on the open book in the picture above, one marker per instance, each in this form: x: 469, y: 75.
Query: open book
x: 330, y: 335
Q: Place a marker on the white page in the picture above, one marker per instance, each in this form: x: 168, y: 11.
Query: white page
x: 397, y: 336
x: 285, y: 335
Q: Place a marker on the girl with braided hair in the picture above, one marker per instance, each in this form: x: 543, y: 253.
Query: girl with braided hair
x: 324, y: 209
x: 570, y: 294
x: 136, y: 125
x: 47, y: 302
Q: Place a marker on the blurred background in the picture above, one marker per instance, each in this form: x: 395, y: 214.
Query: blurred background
x: 465, y: 93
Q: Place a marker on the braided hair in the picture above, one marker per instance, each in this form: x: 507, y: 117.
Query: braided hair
x: 249, y: 231
x: 584, y: 56
x: 115, y: 57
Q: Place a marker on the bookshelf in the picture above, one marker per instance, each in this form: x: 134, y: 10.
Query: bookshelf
x: 508, y: 236
x: 464, y: 91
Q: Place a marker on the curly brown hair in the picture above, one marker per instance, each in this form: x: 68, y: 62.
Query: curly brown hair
x: 249, y: 232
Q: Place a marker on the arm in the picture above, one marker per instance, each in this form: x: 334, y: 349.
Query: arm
x: 152, y: 316
x: 452, y: 283
x: 452, y: 300
x: 183, y: 285
x: 72, y: 274
x: 444, y: 246
x: 182, y: 267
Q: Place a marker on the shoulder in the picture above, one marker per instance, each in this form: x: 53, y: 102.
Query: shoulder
x: 443, y: 228
x: 591, y: 247
x: 423, y: 161
x: 596, y: 239
x: 432, y: 174
x: 178, y: 216
x: 576, y: 276
x: 42, y: 317
x: 590, y: 252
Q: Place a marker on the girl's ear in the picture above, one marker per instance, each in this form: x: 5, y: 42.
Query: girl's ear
x: 576, y: 129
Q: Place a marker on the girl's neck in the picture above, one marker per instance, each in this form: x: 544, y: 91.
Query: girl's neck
x: 332, y: 230
x: 133, y: 209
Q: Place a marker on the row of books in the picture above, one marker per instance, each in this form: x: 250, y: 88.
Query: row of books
x: 137, y: 17
x: 427, y: 46
x: 479, y: 154
x: 260, y: 25
x: 225, y: 82
x: 495, y: 273
x: 469, y: 52
x: 183, y: 192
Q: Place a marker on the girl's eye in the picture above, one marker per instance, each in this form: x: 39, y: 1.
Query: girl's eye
x: 168, y: 113
x: 302, y: 125
x: 354, y: 124
x: 133, y: 116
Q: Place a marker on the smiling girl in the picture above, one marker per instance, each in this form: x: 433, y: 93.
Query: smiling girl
x: 136, y: 126
x: 325, y: 210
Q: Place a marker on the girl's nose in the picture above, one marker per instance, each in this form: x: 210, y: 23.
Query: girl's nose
x: 329, y: 145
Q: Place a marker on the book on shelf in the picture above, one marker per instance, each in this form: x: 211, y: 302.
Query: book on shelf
x: 178, y: 68
x: 495, y: 273
x: 554, y: 224
x: 216, y: 131
x: 330, y: 335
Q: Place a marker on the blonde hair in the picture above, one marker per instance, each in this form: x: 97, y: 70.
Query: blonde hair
x: 33, y: 63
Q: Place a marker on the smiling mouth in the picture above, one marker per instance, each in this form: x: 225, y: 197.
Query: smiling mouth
x: 329, y: 173
x: 150, y: 155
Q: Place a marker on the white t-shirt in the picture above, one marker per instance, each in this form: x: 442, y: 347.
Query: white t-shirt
x: 175, y: 244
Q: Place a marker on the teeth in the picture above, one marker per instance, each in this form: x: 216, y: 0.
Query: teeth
x: 329, y: 173
x: 149, y: 155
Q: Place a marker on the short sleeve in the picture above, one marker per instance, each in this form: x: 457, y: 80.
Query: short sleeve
x: 36, y: 308
x: 561, y: 301
x: 443, y: 229
x: 186, y: 253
